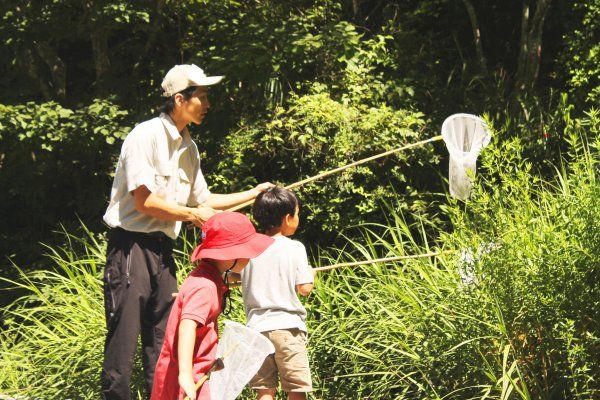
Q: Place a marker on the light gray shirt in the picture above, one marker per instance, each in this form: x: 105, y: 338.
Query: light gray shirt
x: 269, y: 286
x: 155, y: 154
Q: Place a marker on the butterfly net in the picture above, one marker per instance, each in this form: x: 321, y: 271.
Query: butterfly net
x: 243, y: 351
x: 465, y: 135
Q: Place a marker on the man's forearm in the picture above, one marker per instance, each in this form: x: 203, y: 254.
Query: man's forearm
x: 148, y: 203
x: 225, y: 201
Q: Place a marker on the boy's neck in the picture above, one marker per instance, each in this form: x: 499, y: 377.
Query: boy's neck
x: 274, y: 232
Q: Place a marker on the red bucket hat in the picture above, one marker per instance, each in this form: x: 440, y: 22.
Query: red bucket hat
x: 228, y: 236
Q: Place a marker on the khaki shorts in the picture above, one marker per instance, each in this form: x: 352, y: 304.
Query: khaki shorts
x: 290, y: 363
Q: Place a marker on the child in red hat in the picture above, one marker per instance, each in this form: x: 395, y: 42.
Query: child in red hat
x: 191, y: 335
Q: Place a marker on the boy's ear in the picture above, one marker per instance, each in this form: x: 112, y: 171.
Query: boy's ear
x: 287, y: 219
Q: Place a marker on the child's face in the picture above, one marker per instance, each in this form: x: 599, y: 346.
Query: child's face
x: 239, y: 266
x: 290, y: 223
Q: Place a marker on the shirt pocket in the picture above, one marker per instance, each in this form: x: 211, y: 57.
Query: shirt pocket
x: 183, y: 188
x: 161, y: 180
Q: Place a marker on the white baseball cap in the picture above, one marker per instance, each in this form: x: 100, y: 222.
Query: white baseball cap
x: 183, y: 76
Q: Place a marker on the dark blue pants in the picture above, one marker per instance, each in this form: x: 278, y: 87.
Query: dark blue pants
x: 139, y: 279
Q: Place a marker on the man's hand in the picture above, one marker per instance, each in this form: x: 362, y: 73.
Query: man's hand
x: 261, y: 188
x: 202, y: 214
x: 186, y: 382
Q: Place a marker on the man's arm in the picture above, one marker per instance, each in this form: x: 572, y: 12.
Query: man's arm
x: 150, y: 204
x: 225, y: 201
x: 186, y: 339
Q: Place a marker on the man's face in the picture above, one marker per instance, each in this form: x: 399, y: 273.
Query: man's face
x: 197, y: 106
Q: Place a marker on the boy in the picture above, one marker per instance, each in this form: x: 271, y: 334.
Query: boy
x: 270, y: 288
x: 191, y: 336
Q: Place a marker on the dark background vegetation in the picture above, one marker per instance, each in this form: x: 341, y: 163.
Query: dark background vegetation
x: 77, y: 75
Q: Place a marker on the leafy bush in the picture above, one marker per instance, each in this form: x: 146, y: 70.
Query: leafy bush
x: 55, y: 164
x: 316, y: 133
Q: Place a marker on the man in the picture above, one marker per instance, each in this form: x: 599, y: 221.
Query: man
x: 158, y: 185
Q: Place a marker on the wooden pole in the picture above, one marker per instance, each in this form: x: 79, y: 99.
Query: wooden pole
x: 381, y: 260
x: 339, y: 169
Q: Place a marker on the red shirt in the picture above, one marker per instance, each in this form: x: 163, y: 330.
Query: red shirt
x: 200, y: 298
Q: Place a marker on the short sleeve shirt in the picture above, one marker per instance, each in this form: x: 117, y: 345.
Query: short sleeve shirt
x: 200, y: 298
x: 156, y: 155
x: 269, y: 286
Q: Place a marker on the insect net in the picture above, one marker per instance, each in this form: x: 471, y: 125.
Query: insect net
x: 243, y: 351
x: 465, y: 135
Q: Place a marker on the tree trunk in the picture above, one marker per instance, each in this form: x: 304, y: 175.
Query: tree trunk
x: 28, y: 63
x: 477, y: 37
x: 530, y: 51
x: 99, y: 39
x: 58, y: 69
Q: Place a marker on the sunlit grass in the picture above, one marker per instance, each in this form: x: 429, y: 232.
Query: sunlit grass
x: 517, y: 319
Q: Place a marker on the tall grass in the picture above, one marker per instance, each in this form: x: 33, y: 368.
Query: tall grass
x: 512, y: 313
x: 53, y: 337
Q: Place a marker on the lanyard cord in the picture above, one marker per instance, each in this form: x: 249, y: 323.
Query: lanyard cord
x: 227, y: 295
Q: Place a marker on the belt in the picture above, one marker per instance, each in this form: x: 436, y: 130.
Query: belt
x: 153, y: 235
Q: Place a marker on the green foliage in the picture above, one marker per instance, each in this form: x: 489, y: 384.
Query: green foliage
x: 583, y: 52
x: 510, y: 312
x: 513, y: 309
x: 55, y: 163
x: 315, y: 133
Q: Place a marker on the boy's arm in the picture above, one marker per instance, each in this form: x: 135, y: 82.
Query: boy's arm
x: 305, y: 275
x: 304, y: 289
x: 185, y: 349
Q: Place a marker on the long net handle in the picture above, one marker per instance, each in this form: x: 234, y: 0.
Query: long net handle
x: 339, y: 169
x: 382, y: 260
x: 205, y: 377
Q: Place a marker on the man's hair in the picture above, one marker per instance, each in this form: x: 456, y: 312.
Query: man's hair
x: 169, y: 103
x: 272, y: 205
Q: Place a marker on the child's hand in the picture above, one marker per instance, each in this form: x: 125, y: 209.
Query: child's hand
x: 186, y: 382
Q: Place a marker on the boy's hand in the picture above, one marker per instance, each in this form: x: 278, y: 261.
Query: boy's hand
x: 186, y: 382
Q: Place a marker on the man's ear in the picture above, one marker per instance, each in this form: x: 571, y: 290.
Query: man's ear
x: 178, y: 99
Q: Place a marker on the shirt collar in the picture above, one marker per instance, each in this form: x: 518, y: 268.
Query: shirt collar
x: 172, y: 128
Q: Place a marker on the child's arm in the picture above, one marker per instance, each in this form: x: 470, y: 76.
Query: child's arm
x: 185, y: 349
x: 304, y: 289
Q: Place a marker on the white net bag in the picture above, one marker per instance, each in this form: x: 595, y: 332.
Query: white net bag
x: 243, y: 351
x: 465, y: 135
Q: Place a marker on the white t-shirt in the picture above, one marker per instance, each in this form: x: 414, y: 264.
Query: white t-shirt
x: 269, y: 286
x: 167, y: 162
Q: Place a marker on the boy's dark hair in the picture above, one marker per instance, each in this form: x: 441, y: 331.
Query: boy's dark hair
x: 272, y: 205
x: 169, y: 103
